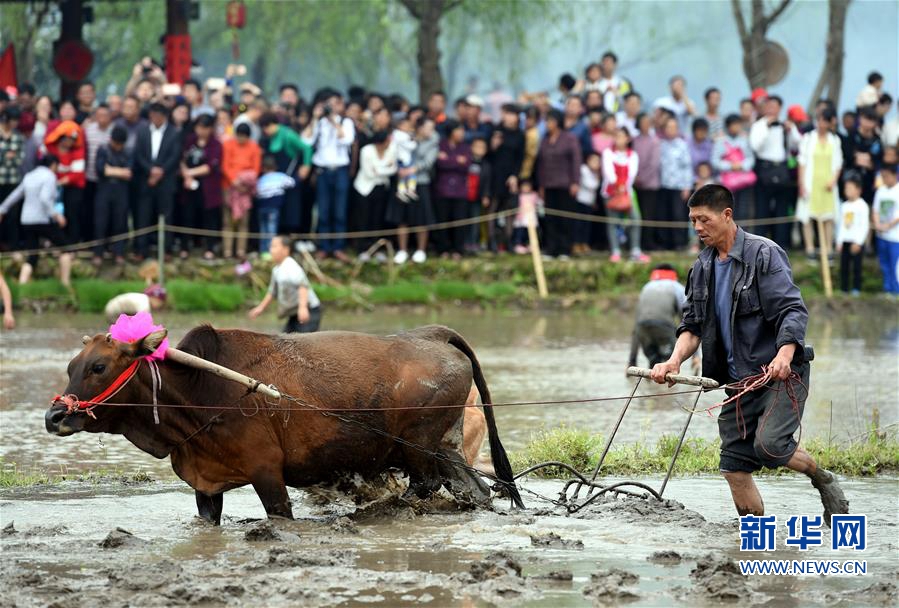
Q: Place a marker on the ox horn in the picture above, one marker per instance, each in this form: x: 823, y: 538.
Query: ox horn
x: 85, y: 339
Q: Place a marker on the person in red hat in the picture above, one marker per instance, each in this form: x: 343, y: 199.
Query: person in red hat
x: 796, y: 113
x: 759, y: 96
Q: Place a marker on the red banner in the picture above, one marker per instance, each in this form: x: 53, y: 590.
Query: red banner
x: 177, y: 57
x: 8, y: 68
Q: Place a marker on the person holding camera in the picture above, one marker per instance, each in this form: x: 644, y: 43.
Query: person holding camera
x: 772, y: 141
x: 332, y: 135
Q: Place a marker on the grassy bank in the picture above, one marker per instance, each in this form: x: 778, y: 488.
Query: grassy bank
x: 14, y: 476
x: 874, y: 455
x: 485, y: 281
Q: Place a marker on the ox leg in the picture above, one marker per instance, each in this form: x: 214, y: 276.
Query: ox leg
x: 462, y: 483
x: 424, y: 478
x: 210, y: 507
x: 270, y: 488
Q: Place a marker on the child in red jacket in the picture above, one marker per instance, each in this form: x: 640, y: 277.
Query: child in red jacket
x: 66, y: 141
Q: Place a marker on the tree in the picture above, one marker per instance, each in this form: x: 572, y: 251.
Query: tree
x: 23, y: 25
x: 428, y: 14
x: 753, y: 38
x: 831, y: 78
x: 502, y: 21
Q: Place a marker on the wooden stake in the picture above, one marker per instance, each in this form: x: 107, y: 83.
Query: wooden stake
x: 179, y: 356
x: 824, y: 249
x: 536, y: 255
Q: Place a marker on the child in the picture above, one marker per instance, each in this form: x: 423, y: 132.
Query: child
x: 700, y: 145
x: 586, y: 196
x: 890, y: 159
x: 886, y: 223
x: 619, y: 169
x: 527, y: 205
x: 270, y: 191
x: 604, y: 138
x: 290, y: 286
x: 852, y: 232
x: 703, y: 175
x: 479, y: 178
x: 111, y: 200
x: 404, y: 140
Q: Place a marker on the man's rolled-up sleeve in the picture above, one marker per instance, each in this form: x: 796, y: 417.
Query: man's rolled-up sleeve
x: 780, y: 298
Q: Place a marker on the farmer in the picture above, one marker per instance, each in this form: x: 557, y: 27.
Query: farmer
x: 152, y: 299
x: 297, y: 301
x: 746, y: 312
x: 661, y: 301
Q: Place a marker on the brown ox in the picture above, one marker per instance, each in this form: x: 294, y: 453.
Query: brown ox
x: 215, y: 450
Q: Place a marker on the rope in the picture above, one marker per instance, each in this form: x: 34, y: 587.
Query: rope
x: 276, y: 407
x: 602, y: 219
x: 84, y: 244
x: 387, y: 232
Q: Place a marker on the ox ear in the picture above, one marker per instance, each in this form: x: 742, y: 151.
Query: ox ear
x: 151, y: 342
x: 146, y: 345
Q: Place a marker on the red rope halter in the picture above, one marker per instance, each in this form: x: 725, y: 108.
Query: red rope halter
x: 74, y: 405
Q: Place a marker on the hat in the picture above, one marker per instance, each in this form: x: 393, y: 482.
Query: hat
x: 474, y: 100
x: 758, y: 94
x: 156, y: 291
x: 796, y: 113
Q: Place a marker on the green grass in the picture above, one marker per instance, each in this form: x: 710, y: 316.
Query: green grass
x: 41, y: 289
x: 400, y: 293
x: 13, y: 475
x: 93, y: 294
x: 198, y: 287
x: 191, y: 296
x: 871, y: 456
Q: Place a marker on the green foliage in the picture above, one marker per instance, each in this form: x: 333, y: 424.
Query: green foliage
x: 578, y: 448
x: 873, y: 455
x: 189, y: 296
x: 400, y: 293
x: 93, y: 294
x: 42, y: 289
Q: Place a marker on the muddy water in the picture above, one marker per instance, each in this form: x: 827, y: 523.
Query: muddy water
x: 398, y: 557
x: 432, y: 554
x: 526, y: 357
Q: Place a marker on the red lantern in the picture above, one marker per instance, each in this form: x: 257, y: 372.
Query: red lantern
x: 236, y: 14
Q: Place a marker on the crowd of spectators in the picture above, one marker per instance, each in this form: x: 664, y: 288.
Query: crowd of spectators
x: 222, y: 155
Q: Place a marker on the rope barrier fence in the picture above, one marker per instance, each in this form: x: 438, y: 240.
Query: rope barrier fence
x: 386, y: 232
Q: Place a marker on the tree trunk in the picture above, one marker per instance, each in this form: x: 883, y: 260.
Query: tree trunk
x: 831, y: 78
x: 430, y: 78
x: 753, y: 38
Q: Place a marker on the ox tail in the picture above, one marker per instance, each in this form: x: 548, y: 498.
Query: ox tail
x: 501, y: 464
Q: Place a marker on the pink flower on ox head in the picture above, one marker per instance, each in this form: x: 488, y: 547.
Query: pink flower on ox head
x: 137, y: 327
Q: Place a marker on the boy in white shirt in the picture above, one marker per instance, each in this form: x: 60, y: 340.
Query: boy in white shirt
x: 297, y: 301
x: 886, y: 224
x: 852, y: 232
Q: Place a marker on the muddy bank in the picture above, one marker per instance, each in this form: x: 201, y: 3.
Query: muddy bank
x: 120, y: 546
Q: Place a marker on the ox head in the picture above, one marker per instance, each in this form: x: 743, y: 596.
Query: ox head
x: 100, y: 363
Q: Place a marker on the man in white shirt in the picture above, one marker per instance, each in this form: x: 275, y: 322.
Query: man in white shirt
x: 332, y: 135
x: 612, y: 86
x: 772, y: 141
x: 678, y: 103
